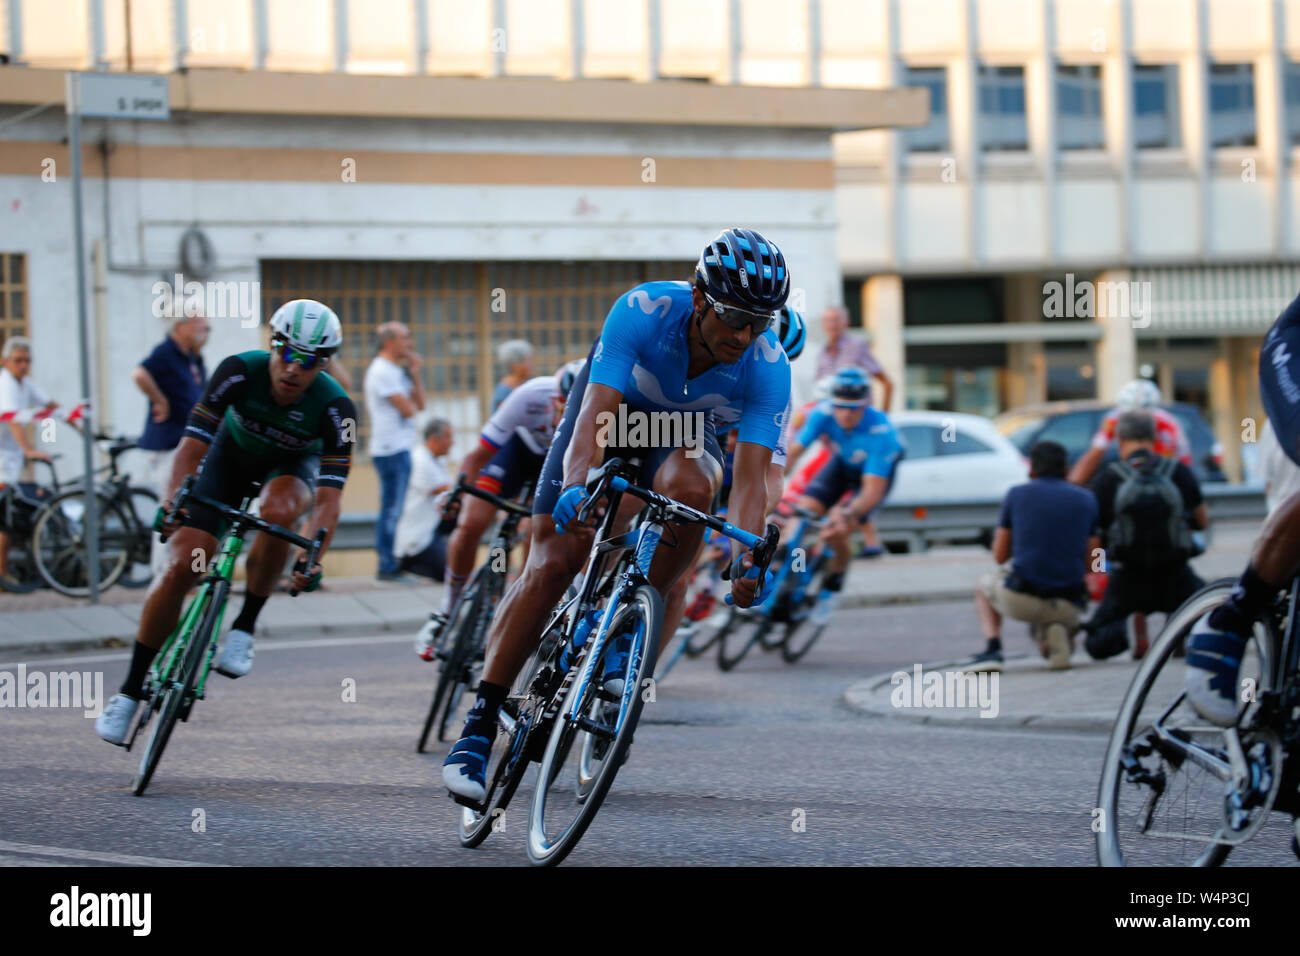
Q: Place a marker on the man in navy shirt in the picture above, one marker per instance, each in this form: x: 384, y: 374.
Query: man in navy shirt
x: 1045, y: 538
x: 172, y: 377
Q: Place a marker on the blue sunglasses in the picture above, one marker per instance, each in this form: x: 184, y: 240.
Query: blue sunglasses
x: 289, y: 354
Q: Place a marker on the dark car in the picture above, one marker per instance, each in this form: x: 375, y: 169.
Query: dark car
x: 1073, y: 424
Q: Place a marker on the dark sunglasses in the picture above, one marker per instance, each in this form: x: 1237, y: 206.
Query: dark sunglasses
x: 735, y: 317
x: 289, y: 354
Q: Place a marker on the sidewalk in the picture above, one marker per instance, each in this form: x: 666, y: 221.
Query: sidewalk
x: 45, y: 621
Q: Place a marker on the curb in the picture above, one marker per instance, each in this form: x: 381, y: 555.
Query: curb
x: 865, y: 697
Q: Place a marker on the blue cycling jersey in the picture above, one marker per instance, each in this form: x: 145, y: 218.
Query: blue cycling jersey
x: 644, y: 353
x: 871, y: 447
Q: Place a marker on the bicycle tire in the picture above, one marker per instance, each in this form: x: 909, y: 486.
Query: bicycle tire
x: 467, y: 649
x: 1161, y: 653
x: 177, y: 690
x: 512, y: 762
x: 465, y: 610
x: 138, y: 572
x: 792, y: 651
x: 739, y: 621
x: 646, y: 605
x: 60, y: 552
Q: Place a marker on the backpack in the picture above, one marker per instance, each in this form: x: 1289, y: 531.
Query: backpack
x: 1149, y: 529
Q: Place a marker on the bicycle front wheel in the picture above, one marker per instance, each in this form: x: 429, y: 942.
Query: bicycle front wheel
x: 455, y: 636
x: 801, y: 633
x: 1167, y: 797
x: 603, y: 730
x: 59, y: 543
x: 178, y: 690
x: 745, y: 627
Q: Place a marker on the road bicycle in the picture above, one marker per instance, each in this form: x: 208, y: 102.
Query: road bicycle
x: 787, y: 619
x: 461, y: 644
x: 702, y: 621
x: 1178, y: 791
x: 124, y: 517
x: 559, y: 706
x: 20, y: 505
x: 179, y: 674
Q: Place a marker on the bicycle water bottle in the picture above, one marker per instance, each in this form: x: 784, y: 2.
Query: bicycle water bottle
x: 579, y: 638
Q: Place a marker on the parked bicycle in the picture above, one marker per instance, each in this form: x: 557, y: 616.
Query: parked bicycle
x: 788, y: 620
x: 462, y: 641
x: 20, y: 506
x: 559, y: 706
x: 1178, y: 791
x: 179, y: 674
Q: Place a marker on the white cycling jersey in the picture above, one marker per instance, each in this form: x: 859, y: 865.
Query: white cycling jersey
x: 526, y: 412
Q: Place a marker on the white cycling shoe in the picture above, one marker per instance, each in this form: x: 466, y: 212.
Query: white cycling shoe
x: 237, y: 656
x: 113, y: 724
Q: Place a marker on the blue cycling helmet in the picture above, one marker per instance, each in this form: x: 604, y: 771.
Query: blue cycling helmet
x: 793, y: 332
x: 741, y: 267
x: 851, y: 387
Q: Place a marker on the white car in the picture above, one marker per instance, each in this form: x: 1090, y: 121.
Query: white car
x: 953, y: 457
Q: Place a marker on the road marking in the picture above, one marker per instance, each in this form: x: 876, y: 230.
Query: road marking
x: 96, y: 856
x: 284, y: 644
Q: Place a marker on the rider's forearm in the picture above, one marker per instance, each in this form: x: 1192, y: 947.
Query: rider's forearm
x: 584, y: 452
x: 1087, y: 464
x: 792, y: 457
x: 188, y: 457
x: 748, y: 506
x: 873, y: 491
x: 325, y: 515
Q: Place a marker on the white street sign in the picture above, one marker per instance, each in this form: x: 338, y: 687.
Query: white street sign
x: 124, y: 96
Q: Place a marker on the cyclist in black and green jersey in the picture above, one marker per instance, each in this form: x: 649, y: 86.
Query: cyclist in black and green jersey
x: 270, y: 417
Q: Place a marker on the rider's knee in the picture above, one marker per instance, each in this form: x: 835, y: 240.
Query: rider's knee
x: 281, y: 511
x: 691, y: 487
x: 552, y: 562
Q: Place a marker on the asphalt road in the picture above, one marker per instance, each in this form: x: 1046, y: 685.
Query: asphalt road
x: 281, y: 770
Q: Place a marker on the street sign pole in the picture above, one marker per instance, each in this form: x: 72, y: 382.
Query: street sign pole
x: 112, y: 96
x: 88, y: 410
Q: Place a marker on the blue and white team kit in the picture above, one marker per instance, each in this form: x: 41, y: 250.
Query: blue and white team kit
x: 870, y: 448
x: 520, y: 431
x: 643, y: 352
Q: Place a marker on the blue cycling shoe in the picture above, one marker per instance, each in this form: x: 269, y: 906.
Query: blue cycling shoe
x: 464, y: 770
x: 1213, y: 663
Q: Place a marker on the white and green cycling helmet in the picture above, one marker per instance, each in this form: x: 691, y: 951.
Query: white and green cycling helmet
x: 308, y: 325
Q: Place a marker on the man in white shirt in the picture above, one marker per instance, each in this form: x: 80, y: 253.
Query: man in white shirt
x: 18, y: 393
x: 394, y: 396
x: 420, y: 550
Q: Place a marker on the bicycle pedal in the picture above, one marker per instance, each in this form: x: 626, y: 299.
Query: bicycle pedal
x: 467, y: 802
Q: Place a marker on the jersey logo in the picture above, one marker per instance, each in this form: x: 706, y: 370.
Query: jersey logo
x: 771, y: 352
x: 858, y: 455
x: 641, y: 300
x: 295, y: 415
x: 649, y: 386
x: 1281, y: 356
x: 600, y: 349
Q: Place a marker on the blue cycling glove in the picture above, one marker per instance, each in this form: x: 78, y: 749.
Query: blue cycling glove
x: 567, y: 506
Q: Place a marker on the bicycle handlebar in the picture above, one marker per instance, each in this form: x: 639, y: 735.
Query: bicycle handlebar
x: 186, y: 494
x: 497, y: 501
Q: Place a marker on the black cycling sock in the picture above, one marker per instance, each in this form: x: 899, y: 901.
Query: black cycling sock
x: 833, y: 581
x: 481, y: 721
x: 247, y: 619
x: 141, y: 658
x: 1248, y: 599
x: 995, y: 646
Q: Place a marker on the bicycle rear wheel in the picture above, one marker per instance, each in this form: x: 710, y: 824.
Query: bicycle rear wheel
x: 142, y: 505
x: 181, y: 687
x: 468, y: 651
x: 800, y: 632
x: 456, y: 636
x: 59, y: 543
x: 558, y: 818
x: 1161, y: 800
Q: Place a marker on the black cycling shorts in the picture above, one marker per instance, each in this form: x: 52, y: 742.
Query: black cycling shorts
x: 1279, y: 379
x: 838, y: 479
x: 513, y: 464
x: 228, y: 473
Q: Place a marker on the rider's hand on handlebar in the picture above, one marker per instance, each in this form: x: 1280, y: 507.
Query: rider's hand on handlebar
x: 567, y: 507
x: 165, y: 527
x: 301, y: 579
x: 744, y: 589
x: 37, y: 456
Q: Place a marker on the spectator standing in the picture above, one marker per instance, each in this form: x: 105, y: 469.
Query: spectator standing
x: 1148, y: 505
x: 842, y: 349
x: 1279, y: 473
x: 172, y: 377
x: 419, y: 549
x: 18, y: 393
x: 394, y: 395
x: 1047, y: 531
x: 517, y: 356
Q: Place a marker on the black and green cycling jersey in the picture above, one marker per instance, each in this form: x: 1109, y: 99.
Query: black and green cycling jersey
x: 238, y: 402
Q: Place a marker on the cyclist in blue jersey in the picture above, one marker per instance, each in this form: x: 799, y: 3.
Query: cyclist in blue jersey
x: 865, y: 450
x: 683, y: 348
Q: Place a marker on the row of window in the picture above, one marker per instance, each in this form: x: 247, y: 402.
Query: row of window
x: 1156, y: 118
